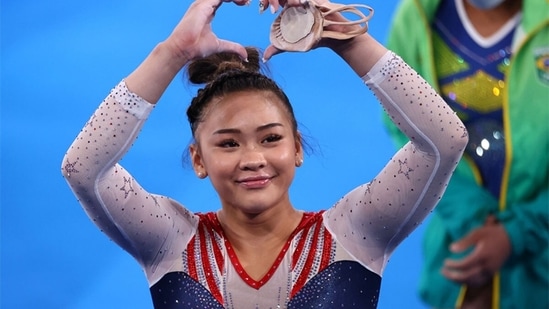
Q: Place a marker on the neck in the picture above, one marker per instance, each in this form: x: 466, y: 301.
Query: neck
x: 488, y: 22
x: 271, y: 226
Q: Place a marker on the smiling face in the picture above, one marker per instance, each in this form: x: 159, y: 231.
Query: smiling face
x: 247, y: 146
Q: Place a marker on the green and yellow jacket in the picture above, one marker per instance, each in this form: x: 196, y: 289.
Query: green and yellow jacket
x: 523, y: 205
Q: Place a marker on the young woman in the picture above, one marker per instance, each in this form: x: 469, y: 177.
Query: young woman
x: 258, y: 250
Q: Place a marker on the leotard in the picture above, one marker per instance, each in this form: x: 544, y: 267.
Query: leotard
x: 335, y: 257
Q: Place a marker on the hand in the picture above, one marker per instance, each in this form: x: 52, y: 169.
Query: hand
x: 335, y: 44
x: 492, y: 247
x: 275, y: 5
x: 193, y: 37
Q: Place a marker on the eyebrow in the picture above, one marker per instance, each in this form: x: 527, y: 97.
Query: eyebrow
x: 259, y: 129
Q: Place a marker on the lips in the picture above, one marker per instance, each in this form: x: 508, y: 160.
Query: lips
x: 257, y: 182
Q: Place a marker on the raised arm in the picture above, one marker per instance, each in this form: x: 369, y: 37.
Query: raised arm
x: 143, y: 224
x: 376, y: 217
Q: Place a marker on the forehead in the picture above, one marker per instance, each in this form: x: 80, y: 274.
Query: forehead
x: 245, y: 108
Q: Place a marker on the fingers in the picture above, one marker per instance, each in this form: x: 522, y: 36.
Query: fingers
x: 239, y: 2
x: 202, y: 11
x: 492, y: 248
x: 215, y: 4
x: 475, y: 276
x: 466, y: 242
x: 471, y: 270
x: 269, y: 52
x: 469, y: 261
x: 296, y: 2
x: 275, y: 5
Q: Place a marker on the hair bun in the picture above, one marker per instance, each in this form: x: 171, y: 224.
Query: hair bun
x: 225, y: 66
x: 205, y: 70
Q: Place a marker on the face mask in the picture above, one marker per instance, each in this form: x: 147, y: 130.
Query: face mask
x: 485, y: 4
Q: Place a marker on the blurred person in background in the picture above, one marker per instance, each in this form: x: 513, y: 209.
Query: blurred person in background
x: 486, y: 243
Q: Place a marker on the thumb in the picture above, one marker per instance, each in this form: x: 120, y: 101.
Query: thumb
x: 269, y: 52
x: 228, y: 46
x: 465, y: 242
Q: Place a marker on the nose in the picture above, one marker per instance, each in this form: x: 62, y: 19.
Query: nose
x: 252, y: 159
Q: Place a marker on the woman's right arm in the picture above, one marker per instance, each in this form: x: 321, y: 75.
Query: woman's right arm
x: 140, y: 222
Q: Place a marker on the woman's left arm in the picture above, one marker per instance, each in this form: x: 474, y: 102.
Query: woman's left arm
x: 374, y: 218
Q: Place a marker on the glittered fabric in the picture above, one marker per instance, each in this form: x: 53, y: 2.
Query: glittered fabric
x: 314, y: 277
x: 334, y: 258
x: 343, y: 284
x: 178, y: 290
x: 211, y: 260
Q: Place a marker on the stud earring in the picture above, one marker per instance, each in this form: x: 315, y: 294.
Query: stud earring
x: 299, y: 162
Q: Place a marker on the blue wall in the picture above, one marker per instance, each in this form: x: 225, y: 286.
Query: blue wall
x: 60, y: 58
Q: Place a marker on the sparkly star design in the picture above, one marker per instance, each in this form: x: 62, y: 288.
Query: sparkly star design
x: 69, y: 167
x: 129, y: 188
x: 404, y: 169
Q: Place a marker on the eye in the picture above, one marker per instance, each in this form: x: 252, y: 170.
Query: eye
x: 227, y: 143
x: 271, y: 138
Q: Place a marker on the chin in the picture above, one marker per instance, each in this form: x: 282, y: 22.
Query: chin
x: 255, y: 210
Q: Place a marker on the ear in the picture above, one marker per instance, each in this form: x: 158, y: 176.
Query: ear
x: 197, y: 162
x: 299, y: 154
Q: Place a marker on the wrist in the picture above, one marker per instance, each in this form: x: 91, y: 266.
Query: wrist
x: 155, y: 73
x: 361, y: 52
x: 171, y: 55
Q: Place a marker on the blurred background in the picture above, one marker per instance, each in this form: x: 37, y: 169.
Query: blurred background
x: 60, y: 58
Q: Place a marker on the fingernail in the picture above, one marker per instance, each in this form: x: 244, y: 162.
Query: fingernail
x: 261, y: 7
x: 273, y: 10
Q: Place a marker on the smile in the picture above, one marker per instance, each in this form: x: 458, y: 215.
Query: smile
x: 255, y: 182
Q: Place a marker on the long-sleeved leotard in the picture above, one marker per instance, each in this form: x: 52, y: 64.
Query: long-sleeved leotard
x: 336, y: 256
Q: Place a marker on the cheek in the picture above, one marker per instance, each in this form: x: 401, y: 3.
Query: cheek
x: 283, y: 158
x: 221, y: 165
x: 220, y: 174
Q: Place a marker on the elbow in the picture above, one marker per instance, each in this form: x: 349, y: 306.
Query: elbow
x: 457, y: 142
x: 69, y: 168
x: 66, y: 167
x: 461, y: 139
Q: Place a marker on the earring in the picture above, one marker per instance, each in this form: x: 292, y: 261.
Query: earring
x: 299, y: 162
x: 200, y: 175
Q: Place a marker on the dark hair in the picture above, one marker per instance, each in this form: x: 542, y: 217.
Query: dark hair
x: 224, y: 73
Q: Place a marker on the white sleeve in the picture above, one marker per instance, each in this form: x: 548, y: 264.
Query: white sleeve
x: 143, y: 224
x: 374, y: 218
